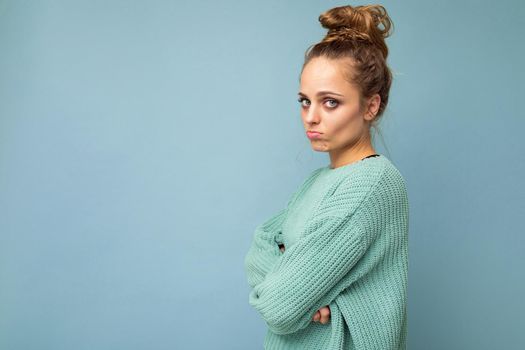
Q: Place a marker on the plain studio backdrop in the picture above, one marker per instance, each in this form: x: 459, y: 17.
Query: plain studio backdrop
x: 141, y: 142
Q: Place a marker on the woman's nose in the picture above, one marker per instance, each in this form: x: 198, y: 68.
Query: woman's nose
x: 312, y: 115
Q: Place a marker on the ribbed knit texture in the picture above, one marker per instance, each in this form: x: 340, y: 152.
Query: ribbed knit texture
x: 349, y: 251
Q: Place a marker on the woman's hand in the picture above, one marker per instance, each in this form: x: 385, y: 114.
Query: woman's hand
x: 323, y: 314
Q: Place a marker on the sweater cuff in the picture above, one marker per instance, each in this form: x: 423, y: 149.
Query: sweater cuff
x: 279, y: 238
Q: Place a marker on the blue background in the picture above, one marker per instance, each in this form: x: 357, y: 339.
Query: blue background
x: 141, y: 142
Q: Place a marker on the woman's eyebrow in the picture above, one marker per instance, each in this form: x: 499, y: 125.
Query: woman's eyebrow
x: 320, y: 93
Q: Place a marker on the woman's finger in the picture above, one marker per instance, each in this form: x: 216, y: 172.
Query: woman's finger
x: 317, y: 316
x: 325, y: 314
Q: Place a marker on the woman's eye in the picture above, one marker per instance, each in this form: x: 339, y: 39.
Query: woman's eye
x: 301, y: 100
x: 334, y: 101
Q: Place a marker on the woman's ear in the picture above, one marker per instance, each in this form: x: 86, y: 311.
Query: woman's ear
x: 372, y: 107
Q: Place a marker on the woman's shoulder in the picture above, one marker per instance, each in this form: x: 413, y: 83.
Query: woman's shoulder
x: 350, y: 185
x: 372, y: 171
x: 371, y: 180
x: 391, y: 178
x: 385, y: 185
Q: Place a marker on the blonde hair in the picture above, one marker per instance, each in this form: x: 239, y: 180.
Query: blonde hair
x: 354, y: 34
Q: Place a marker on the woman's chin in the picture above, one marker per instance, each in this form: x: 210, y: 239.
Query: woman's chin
x: 319, y: 146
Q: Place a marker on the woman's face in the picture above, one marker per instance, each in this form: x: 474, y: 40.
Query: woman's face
x: 330, y: 105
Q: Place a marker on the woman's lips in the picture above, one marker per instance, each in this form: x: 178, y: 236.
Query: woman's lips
x: 313, y: 134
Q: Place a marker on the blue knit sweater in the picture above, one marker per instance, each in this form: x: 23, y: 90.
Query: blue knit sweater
x: 346, y: 236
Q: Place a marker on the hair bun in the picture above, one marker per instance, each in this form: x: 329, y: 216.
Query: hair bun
x: 358, y: 23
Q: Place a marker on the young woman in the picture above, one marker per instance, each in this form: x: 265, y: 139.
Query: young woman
x: 330, y: 270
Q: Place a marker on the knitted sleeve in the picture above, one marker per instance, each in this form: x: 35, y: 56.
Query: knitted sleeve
x: 304, y: 278
x: 264, y: 249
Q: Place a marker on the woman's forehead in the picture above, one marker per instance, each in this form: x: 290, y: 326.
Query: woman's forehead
x: 322, y: 71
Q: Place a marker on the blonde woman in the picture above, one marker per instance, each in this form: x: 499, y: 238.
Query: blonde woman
x: 330, y: 270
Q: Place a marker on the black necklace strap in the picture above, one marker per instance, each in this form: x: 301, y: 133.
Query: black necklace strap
x: 372, y: 155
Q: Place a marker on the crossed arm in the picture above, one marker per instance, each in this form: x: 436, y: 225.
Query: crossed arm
x: 290, y: 287
x: 263, y: 255
x: 309, y: 275
x: 264, y: 251
x: 323, y: 314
